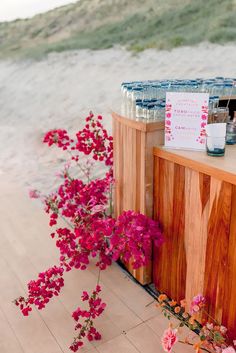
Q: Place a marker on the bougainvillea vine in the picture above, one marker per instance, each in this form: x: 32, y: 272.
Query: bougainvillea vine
x: 89, y: 231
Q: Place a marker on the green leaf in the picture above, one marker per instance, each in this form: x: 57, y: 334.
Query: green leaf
x: 218, y: 337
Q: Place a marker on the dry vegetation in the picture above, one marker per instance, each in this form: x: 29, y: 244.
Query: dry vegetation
x: 136, y: 24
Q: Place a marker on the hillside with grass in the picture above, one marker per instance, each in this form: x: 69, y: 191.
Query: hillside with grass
x: 134, y: 24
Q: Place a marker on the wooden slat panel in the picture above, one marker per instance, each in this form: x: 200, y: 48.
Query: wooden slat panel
x: 133, y: 171
x: 118, y: 167
x: 151, y: 139
x: 169, y: 260
x: 229, y: 302
x: 129, y: 163
x: 165, y: 216
x: 217, y: 246
x: 130, y: 179
x: 139, y: 204
x: 143, y: 181
x: 196, y: 218
x: 178, y: 241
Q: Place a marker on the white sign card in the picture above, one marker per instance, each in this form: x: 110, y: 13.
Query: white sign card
x: 186, y: 120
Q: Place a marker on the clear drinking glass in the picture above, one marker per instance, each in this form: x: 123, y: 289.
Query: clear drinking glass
x: 218, y: 115
x: 215, y: 146
x: 129, y: 102
x: 228, y: 89
x: 145, y: 110
x: 139, y: 111
x: 231, y: 133
x: 150, y: 111
x: 159, y: 113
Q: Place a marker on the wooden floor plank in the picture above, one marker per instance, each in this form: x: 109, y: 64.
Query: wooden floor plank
x: 8, y: 340
x: 26, y: 248
x: 32, y: 332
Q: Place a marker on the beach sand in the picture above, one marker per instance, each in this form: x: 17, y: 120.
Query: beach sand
x: 60, y: 90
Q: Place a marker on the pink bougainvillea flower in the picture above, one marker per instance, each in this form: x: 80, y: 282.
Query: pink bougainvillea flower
x: 90, y: 231
x: 197, y: 303
x: 169, y: 339
x: 229, y: 350
x: 58, y: 137
x: 34, y: 194
x: 85, y: 318
x: 98, y: 208
x: 209, y: 326
x: 223, y: 329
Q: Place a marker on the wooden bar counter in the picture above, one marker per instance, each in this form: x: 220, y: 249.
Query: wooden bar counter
x: 133, y: 171
x: 195, y: 201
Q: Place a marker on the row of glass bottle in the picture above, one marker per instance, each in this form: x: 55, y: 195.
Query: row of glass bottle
x: 149, y: 109
x: 157, y: 89
x: 153, y: 92
x: 154, y: 109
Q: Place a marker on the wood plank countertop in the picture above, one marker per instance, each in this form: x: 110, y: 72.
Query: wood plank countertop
x: 222, y: 168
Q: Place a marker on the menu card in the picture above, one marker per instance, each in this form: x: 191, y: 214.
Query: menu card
x: 186, y: 120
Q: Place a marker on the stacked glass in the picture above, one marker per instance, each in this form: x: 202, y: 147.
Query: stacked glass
x: 145, y: 100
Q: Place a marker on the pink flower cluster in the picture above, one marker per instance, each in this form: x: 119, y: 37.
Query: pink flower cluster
x: 130, y: 236
x: 84, y: 318
x: 169, y: 339
x: 71, y: 254
x: 94, y: 140
x: 48, y: 284
x: 212, y: 335
x: 133, y: 236
x: 34, y: 194
x: 229, y: 350
x: 75, y: 199
x: 90, y: 231
x: 197, y: 304
x: 58, y: 137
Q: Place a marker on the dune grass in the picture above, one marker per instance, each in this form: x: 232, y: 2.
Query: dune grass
x: 188, y: 23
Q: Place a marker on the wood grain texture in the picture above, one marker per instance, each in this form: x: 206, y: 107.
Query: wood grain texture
x: 162, y: 278
x: 229, y: 300
x: 223, y: 168
x: 179, y: 261
x: 217, y: 246
x: 196, y: 218
x: 198, y: 215
x: 169, y: 266
x: 133, y: 171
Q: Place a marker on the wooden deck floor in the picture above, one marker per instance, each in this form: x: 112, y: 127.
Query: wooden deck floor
x: 128, y: 324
